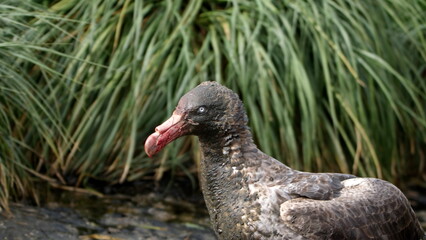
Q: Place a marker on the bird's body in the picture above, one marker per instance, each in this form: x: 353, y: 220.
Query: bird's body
x: 250, y: 195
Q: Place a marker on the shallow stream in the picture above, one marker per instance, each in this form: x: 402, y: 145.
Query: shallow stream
x: 116, y: 216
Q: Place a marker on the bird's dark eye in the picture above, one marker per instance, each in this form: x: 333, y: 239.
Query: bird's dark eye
x: 201, y: 110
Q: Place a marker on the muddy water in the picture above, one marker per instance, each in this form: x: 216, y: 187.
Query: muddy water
x: 115, y: 217
x: 70, y: 216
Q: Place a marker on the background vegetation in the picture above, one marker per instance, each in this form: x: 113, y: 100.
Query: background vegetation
x: 334, y: 85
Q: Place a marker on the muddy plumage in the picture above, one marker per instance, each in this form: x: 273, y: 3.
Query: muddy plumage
x: 250, y: 195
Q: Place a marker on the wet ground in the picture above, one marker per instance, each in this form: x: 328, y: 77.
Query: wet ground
x: 113, y: 217
x: 116, y: 216
x: 139, y: 211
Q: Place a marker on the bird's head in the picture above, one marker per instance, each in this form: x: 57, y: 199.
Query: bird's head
x: 209, y: 109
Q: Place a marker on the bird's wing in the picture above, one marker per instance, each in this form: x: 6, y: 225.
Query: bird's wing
x: 365, y: 209
x: 320, y: 186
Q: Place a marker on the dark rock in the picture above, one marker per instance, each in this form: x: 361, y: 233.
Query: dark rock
x: 42, y: 223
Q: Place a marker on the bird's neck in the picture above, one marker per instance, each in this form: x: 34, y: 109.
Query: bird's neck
x: 223, y: 158
x: 227, y: 148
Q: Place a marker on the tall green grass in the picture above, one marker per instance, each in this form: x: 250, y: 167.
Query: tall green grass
x: 332, y: 85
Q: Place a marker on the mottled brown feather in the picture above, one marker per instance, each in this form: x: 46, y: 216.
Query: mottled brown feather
x: 250, y: 195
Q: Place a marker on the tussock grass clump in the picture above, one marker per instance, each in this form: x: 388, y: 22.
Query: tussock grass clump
x: 328, y: 85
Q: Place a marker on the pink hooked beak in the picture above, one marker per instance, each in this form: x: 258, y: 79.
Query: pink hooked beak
x: 165, y: 133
